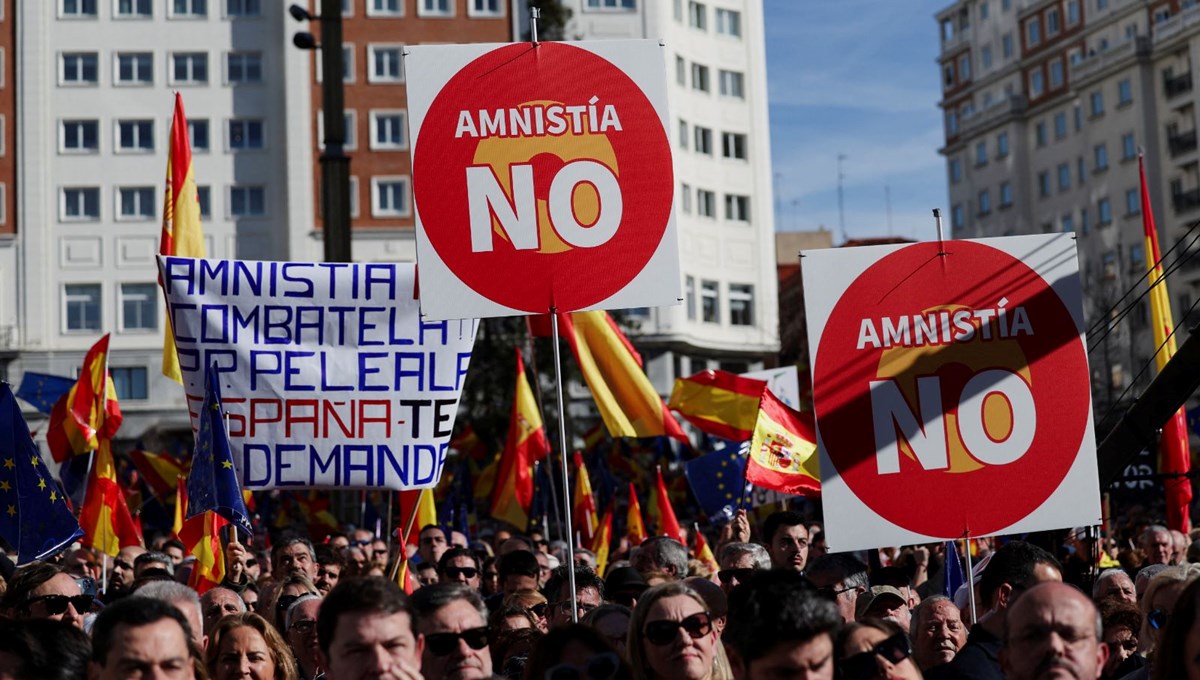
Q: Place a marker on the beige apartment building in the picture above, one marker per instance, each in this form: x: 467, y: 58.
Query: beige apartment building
x: 1046, y: 104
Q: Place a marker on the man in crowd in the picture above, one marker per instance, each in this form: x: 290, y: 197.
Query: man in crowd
x: 738, y: 561
x: 431, y: 543
x: 367, y: 628
x: 840, y: 578
x: 786, y: 538
x: 182, y: 598
x: 41, y: 590
x: 1052, y: 629
x: 937, y: 632
x: 175, y: 550
x: 142, y: 638
x: 294, y: 555
x: 1116, y: 584
x: 459, y: 565
x: 217, y: 603
x: 1013, y: 569
x: 1157, y: 545
x: 663, y: 555
x: 518, y: 571
x: 883, y: 602
x: 379, y: 555
x: 150, y: 561
x: 120, y: 581
x: 329, y: 568
x: 589, y: 594
x: 779, y: 627
x: 453, y: 621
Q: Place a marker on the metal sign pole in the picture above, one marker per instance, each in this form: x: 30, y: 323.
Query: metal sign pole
x: 562, y: 446
x: 970, y: 577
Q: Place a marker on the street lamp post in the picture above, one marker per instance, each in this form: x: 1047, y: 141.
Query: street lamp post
x: 335, y: 164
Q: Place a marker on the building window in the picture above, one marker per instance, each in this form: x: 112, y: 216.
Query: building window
x: 79, y: 9
x: 1033, y: 32
x: 703, y: 140
x: 1100, y: 152
x: 243, y: 67
x: 139, y: 307
x: 733, y: 84
x: 1103, y: 213
x: 82, y: 306
x: 389, y: 129
x: 685, y: 198
x: 204, y: 198
x: 390, y: 197
x: 683, y: 134
x: 1056, y: 74
x: 198, y: 134
x: 1084, y: 224
x: 81, y: 203
x: 729, y: 22
x: 1053, y: 23
x: 247, y: 201
x: 1081, y: 170
x: 1067, y: 223
x: 385, y: 8
x: 710, y: 302
x: 1006, y: 46
x: 189, y: 68
x: 243, y: 8
x: 1097, y: 100
x: 1039, y: 133
x: 957, y: 218
x: 697, y: 15
x: 612, y: 4
x: 485, y: 8
x: 1078, y: 117
x: 135, y: 68
x: 385, y: 64
x: 706, y: 203
x: 689, y: 288
x: 1128, y: 147
x: 135, y: 135
x: 1072, y: 12
x: 1002, y: 145
x: 964, y: 67
x: 700, y: 78
x: 985, y: 57
x: 680, y: 71
x: 741, y: 304
x: 737, y: 208
x: 1064, y: 176
x: 1043, y: 180
x: 1133, y: 202
x: 189, y: 9
x: 1124, y: 92
x: 955, y: 171
x: 245, y: 134
x: 349, y: 128
x: 81, y: 136
x: 981, y: 155
x: 435, y: 8
x: 1006, y: 197
x: 129, y: 382
x: 733, y: 145
x: 948, y: 75
x: 1036, y: 83
x: 135, y: 203
x: 985, y: 202
x: 79, y: 68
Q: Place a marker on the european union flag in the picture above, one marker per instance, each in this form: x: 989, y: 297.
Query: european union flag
x: 34, y: 517
x: 953, y: 571
x: 718, y: 479
x: 41, y: 390
x: 213, y: 484
x: 1193, y: 420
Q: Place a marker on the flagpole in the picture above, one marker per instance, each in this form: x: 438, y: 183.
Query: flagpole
x: 562, y: 446
x: 970, y: 576
x: 401, y: 553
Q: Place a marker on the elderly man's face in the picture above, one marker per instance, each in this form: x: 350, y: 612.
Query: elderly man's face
x: 940, y: 634
x: 1158, y: 547
x: 453, y: 634
x: 296, y: 559
x: 1118, y: 586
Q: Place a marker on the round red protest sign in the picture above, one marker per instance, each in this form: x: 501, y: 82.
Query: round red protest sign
x: 951, y: 392
x: 543, y: 177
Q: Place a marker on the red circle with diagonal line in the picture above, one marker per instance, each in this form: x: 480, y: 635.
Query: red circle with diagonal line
x: 1029, y: 389
x: 554, y: 273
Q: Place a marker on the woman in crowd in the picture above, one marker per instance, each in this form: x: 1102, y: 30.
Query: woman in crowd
x: 533, y: 603
x: 671, y: 635
x: 511, y: 651
x: 289, y: 591
x: 246, y: 646
x: 1178, y: 654
x: 576, y: 651
x: 511, y: 617
x: 874, y: 648
x: 1158, y: 603
x: 611, y: 621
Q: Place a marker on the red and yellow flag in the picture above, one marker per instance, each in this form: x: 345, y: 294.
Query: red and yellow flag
x: 701, y: 550
x: 182, y: 233
x: 664, y: 514
x: 159, y: 471
x: 89, y: 411
x: 602, y: 539
x: 425, y: 508
x: 783, y: 452
x: 104, y: 517
x: 635, y: 525
x: 583, y: 509
x: 201, y: 535
x: 1175, y: 454
x: 180, y: 505
x: 613, y: 371
x: 527, y: 444
x: 722, y: 404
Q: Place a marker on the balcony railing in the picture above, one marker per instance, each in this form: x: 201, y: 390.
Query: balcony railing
x: 1181, y: 142
x: 1186, y: 201
x: 1177, y: 24
x: 1099, y: 62
x: 1178, y: 85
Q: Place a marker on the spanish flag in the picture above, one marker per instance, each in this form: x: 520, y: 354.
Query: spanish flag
x: 660, y: 506
x: 182, y: 233
x: 702, y: 552
x: 719, y: 403
x: 201, y: 535
x: 88, y: 412
x: 584, y: 508
x: 600, y: 542
x: 180, y: 505
x: 104, y: 516
x: 527, y: 444
x: 635, y: 525
x: 421, y: 502
x: 1175, y: 454
x: 159, y: 471
x: 613, y: 371
x: 783, y: 452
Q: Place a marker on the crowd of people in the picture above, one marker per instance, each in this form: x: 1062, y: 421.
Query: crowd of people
x: 779, y: 606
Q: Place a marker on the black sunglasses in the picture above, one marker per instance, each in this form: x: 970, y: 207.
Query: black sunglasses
x: 863, y: 666
x: 663, y: 632
x: 538, y: 610
x: 57, y: 604
x: 1158, y: 618
x: 442, y: 644
x: 455, y: 572
x: 251, y: 562
x: 286, y: 601
x: 830, y: 593
x: 727, y: 576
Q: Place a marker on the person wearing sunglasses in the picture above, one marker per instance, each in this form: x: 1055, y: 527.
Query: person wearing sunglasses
x: 874, y: 648
x: 1122, y: 621
x: 459, y: 565
x: 671, y: 636
x: 534, y: 604
x: 738, y: 561
x: 301, y: 635
x: 780, y: 627
x: 41, y: 590
x: 366, y: 628
x: 1158, y: 603
x: 453, y: 620
x: 1052, y: 629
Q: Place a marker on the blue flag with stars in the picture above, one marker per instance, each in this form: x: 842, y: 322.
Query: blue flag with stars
x: 41, y: 390
x: 718, y: 479
x: 34, y: 517
x: 213, y: 483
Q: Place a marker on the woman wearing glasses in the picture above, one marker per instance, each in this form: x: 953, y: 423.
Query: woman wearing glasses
x: 671, y: 636
x: 1158, y: 603
x: 874, y: 648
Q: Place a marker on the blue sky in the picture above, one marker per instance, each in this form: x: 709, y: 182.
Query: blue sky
x: 860, y: 78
